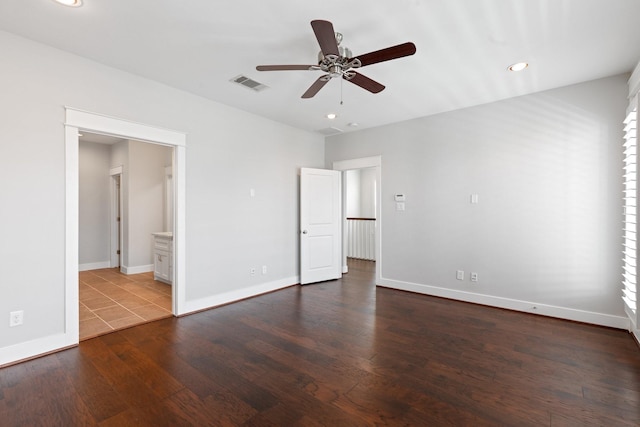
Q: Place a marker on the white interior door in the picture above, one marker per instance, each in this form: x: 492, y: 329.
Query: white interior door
x: 320, y: 225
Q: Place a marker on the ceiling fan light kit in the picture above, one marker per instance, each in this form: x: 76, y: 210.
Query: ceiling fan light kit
x: 338, y: 61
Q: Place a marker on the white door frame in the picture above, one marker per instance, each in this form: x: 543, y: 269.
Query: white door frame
x: 77, y: 120
x: 115, y: 213
x: 361, y: 163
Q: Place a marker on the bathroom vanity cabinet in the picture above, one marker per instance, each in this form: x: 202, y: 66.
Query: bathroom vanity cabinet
x: 163, y: 256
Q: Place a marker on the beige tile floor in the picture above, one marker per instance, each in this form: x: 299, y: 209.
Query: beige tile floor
x: 110, y: 300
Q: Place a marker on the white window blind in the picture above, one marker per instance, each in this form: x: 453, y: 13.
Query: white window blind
x: 629, y: 250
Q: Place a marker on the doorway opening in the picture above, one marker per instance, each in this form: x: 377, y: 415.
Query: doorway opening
x: 124, y: 205
x: 361, y: 246
x: 116, y: 216
x: 77, y: 121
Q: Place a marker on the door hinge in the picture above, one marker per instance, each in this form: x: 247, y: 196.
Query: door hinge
x: 118, y: 252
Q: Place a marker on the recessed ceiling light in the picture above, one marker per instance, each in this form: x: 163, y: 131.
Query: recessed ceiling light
x: 331, y: 116
x: 518, y: 66
x: 70, y: 3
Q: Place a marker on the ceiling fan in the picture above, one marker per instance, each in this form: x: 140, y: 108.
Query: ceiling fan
x: 337, y: 61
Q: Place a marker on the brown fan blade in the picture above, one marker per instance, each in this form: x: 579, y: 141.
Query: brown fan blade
x: 283, y: 67
x: 365, y: 83
x: 393, y: 52
x: 316, y: 86
x: 326, y: 37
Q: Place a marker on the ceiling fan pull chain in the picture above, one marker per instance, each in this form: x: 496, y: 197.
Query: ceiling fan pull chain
x: 341, y: 80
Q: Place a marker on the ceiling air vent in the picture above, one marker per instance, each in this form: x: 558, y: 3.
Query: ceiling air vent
x: 329, y: 131
x: 248, y: 83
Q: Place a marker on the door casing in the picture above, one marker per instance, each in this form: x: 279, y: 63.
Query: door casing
x: 115, y: 217
x: 361, y: 163
x: 77, y: 120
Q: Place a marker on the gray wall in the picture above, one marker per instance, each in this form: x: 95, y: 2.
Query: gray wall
x: 145, y: 201
x: 547, y: 169
x: 360, y: 189
x: 368, y: 192
x: 352, y: 187
x: 94, y: 202
x: 228, y: 152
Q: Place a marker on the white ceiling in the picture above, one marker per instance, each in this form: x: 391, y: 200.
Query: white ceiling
x: 463, y: 49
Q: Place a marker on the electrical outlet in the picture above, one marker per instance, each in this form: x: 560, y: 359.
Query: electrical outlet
x: 460, y: 275
x: 264, y: 269
x: 252, y: 271
x: 16, y: 318
x: 474, y: 277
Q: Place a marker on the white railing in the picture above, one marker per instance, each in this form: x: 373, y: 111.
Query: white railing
x: 361, y: 235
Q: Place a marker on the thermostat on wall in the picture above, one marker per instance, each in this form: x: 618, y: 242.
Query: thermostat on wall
x: 400, y: 197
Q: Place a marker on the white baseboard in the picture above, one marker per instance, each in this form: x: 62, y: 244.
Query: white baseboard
x: 48, y: 344
x: 35, y: 348
x: 634, y: 330
x: 94, y: 265
x: 619, y: 322
x: 136, y: 269
x: 237, y: 295
x: 39, y: 347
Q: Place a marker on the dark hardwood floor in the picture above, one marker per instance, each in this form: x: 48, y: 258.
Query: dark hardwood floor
x: 339, y: 353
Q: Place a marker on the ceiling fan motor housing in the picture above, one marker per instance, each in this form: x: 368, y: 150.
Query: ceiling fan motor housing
x: 337, y: 66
